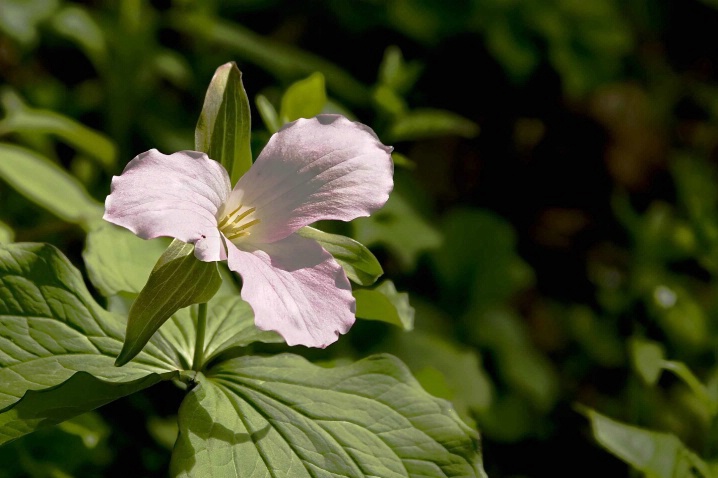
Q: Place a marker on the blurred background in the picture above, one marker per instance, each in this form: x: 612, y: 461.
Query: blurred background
x: 554, y: 223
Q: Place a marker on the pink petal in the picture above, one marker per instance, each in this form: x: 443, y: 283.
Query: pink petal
x: 295, y: 288
x: 326, y: 167
x: 176, y: 196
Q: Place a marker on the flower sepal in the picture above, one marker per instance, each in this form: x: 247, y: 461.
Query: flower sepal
x: 178, y: 280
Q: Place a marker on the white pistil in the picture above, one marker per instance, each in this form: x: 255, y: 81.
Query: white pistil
x: 231, y: 225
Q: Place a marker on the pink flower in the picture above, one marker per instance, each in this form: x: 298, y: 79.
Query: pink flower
x: 326, y: 167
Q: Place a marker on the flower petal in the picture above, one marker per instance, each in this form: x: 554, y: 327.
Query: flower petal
x: 295, y: 288
x: 326, y: 167
x: 176, y: 196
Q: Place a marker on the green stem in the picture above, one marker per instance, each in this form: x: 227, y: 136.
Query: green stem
x: 199, y: 344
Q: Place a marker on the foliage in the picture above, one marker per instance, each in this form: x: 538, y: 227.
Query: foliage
x: 550, y: 250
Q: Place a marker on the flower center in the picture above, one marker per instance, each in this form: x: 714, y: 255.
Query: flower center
x: 236, y: 224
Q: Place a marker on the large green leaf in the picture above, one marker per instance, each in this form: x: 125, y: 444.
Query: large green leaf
x: 57, y: 346
x: 358, y: 262
x: 282, y: 416
x: 178, y: 280
x: 656, y: 454
x: 46, y: 184
x: 224, y: 126
x: 117, y: 260
x: 385, y: 304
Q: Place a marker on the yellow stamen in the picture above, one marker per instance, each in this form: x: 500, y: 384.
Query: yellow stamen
x: 236, y: 229
x: 227, y: 217
x: 244, y: 214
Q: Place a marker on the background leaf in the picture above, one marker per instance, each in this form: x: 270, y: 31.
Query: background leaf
x: 400, y: 228
x: 385, y: 304
x: 304, y: 98
x: 284, y: 415
x: 23, y: 119
x: 659, y: 455
x: 47, y: 185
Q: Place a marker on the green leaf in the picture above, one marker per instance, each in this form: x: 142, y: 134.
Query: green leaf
x: 178, y: 280
x: 430, y: 123
x: 445, y: 370
x: 658, y: 455
x: 20, y: 18
x: 224, y: 126
x: 648, y: 358
x: 47, y: 185
x: 385, y: 304
x: 230, y: 327
x: 402, y: 161
x: 304, y: 98
x: 398, y: 226
x: 117, y: 260
x: 6, y: 233
x: 23, y: 119
x: 268, y: 114
x: 358, y: 262
x: 281, y: 415
x: 89, y: 427
x: 57, y: 346
x: 76, y: 24
x: 395, y: 73
x: 230, y: 324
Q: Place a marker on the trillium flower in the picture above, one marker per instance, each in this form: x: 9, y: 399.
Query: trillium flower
x: 314, y: 169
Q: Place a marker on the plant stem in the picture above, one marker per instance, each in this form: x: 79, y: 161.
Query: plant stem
x: 199, y: 344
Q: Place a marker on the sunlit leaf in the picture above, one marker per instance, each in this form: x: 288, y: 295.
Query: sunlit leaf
x: 268, y: 113
x: 304, y: 98
x: 224, y: 126
x: 178, y: 280
x: 385, y: 304
x: 117, y: 260
x: 57, y: 346
x: 358, y: 262
x: 256, y: 416
x: 46, y: 184
x: 6, y: 233
x: 658, y: 455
